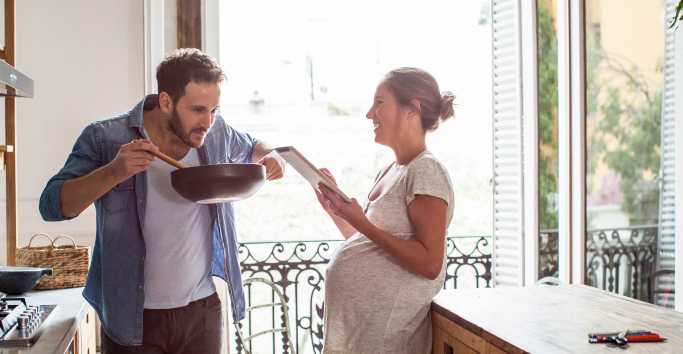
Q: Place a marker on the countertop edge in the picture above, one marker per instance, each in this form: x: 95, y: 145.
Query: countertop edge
x: 71, y: 332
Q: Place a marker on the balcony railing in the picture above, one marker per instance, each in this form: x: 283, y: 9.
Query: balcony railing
x: 298, y: 268
x: 618, y: 260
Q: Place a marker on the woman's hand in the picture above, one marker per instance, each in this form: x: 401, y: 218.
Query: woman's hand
x: 321, y: 198
x: 351, y: 212
x: 344, y: 227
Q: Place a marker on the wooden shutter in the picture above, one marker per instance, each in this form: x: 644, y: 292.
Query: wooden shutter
x: 667, y: 196
x: 508, y: 193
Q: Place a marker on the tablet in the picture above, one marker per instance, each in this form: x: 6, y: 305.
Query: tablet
x: 308, y: 170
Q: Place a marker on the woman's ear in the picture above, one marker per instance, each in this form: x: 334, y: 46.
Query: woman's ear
x: 165, y: 102
x: 414, y: 109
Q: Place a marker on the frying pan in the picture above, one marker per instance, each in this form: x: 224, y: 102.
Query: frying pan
x: 219, y: 183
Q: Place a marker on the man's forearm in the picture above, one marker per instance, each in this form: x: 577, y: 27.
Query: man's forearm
x: 78, y: 193
x: 260, y: 150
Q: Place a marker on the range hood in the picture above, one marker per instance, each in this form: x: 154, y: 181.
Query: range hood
x: 13, y: 83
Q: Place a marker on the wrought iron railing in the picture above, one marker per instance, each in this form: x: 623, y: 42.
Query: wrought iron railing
x: 548, y: 254
x: 622, y: 260
x: 298, y: 268
x: 619, y: 260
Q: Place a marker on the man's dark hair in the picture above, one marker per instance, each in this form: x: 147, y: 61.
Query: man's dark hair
x: 184, y: 65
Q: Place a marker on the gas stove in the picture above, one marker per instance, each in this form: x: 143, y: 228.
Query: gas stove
x: 20, y: 323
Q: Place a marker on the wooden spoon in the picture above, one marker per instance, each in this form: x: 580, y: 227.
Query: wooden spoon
x: 169, y: 160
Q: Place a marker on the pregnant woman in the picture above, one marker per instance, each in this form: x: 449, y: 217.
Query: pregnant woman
x: 381, y: 281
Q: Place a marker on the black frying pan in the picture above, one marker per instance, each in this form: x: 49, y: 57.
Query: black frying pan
x: 218, y: 183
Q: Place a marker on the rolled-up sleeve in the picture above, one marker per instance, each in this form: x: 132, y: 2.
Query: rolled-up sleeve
x: 240, y: 145
x: 83, y: 159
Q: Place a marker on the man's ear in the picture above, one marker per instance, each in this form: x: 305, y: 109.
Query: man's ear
x: 165, y: 102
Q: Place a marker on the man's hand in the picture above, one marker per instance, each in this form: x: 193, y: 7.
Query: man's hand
x: 132, y: 159
x: 275, y: 166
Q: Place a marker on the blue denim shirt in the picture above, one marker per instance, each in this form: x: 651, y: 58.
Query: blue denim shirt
x: 115, y: 286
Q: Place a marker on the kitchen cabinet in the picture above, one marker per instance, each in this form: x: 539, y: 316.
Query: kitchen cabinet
x: 545, y: 319
x: 86, y: 335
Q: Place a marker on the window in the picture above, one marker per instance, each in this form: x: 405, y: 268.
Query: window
x: 548, y: 163
x: 306, y: 76
x: 629, y: 233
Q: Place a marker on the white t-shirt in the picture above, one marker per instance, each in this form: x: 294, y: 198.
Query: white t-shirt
x: 177, y: 236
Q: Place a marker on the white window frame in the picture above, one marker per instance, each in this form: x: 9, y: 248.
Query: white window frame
x: 211, y: 28
x: 153, y: 17
x: 678, y: 108
x: 531, y: 140
x: 154, y: 44
x: 572, y: 140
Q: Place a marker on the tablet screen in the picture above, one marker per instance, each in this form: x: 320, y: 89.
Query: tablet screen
x: 306, y: 169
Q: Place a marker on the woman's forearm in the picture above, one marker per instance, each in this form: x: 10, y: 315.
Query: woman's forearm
x: 344, y: 227
x: 411, y: 254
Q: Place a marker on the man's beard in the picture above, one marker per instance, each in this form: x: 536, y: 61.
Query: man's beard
x: 177, y: 129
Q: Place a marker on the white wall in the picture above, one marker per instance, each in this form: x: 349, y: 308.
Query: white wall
x: 86, y: 59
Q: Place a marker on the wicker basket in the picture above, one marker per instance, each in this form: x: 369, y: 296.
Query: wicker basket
x: 69, y: 263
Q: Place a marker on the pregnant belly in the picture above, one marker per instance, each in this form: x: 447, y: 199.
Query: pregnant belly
x: 360, y: 264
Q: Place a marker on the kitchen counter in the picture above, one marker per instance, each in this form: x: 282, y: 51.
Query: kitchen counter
x: 61, y: 326
x: 546, y: 319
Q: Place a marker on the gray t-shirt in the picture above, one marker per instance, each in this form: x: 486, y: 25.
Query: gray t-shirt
x: 373, y: 305
x: 178, y: 242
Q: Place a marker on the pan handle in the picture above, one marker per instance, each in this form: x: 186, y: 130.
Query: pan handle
x: 169, y: 160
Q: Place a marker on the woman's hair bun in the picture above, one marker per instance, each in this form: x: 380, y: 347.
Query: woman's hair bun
x: 447, y: 99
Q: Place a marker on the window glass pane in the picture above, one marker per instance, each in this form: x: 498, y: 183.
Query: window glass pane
x: 306, y: 75
x: 548, y: 152
x: 625, y: 85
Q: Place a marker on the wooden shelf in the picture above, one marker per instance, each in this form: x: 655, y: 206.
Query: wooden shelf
x: 9, y: 76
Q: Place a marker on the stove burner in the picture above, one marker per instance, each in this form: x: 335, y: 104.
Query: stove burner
x: 20, y: 324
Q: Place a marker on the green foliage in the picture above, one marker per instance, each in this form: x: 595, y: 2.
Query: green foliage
x: 630, y: 116
x: 678, y: 16
x: 627, y: 135
x: 547, y: 115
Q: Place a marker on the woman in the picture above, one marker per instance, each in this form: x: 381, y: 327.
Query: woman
x: 380, y: 283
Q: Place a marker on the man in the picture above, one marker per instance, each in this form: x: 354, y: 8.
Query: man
x: 155, y: 252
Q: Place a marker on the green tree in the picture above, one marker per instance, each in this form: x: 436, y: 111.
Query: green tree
x: 629, y: 111
x: 625, y: 110
x: 678, y: 16
x: 547, y: 115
